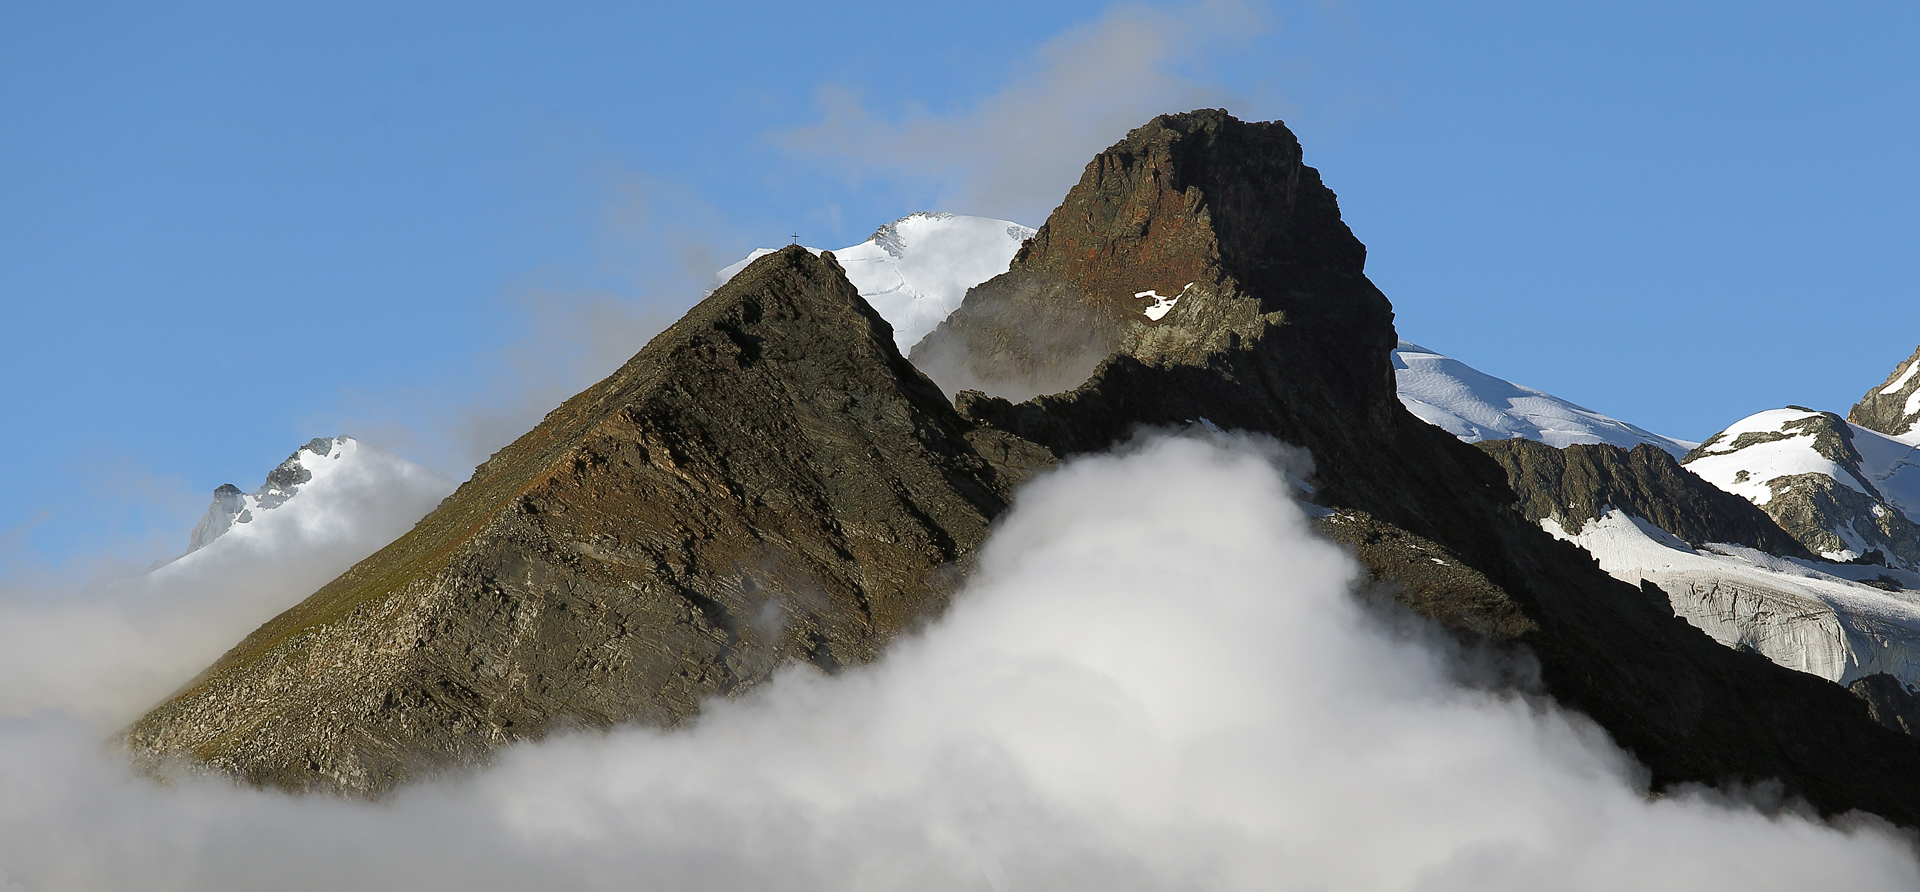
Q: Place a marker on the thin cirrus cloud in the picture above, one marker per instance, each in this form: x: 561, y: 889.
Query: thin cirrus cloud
x: 1157, y: 678
x: 1012, y: 153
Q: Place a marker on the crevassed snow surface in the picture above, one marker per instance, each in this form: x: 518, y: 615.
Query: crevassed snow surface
x: 1890, y: 465
x: 1795, y: 613
x: 357, y: 499
x: 1474, y: 406
x: 917, y: 269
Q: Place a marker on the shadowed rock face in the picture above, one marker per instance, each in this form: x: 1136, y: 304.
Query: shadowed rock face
x: 1579, y: 483
x: 767, y: 481
x: 1283, y: 334
x: 1891, y: 703
x: 1892, y: 407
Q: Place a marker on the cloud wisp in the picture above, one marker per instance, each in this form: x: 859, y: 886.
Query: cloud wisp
x: 655, y: 252
x: 1158, y: 678
x: 1011, y: 154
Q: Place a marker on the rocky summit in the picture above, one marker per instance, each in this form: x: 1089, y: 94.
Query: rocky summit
x: 770, y: 481
x: 767, y: 480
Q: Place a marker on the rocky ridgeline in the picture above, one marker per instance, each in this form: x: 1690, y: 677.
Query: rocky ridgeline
x: 770, y: 481
x: 1894, y: 406
x: 1580, y: 483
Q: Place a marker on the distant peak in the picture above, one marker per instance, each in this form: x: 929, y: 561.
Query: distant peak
x: 231, y: 504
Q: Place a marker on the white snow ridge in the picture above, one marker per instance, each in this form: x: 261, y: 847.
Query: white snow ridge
x: 1475, y: 406
x: 917, y: 269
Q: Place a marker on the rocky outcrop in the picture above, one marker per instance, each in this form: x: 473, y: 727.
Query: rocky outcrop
x: 1894, y: 406
x: 768, y: 480
x: 228, y: 503
x: 1281, y: 333
x: 1891, y: 702
x: 1580, y: 483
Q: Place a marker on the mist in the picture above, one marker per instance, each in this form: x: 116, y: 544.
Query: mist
x: 1157, y: 678
x: 1014, y: 152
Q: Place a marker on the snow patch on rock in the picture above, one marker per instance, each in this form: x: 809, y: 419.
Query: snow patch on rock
x: 1161, y: 305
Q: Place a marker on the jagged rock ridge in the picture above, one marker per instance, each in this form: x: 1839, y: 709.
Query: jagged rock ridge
x: 768, y: 480
x: 1580, y: 483
x: 231, y: 505
x: 1894, y: 406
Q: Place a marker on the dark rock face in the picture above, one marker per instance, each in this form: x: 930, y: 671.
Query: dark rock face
x: 768, y: 480
x: 1886, y: 408
x: 1891, y: 703
x: 1208, y: 211
x: 1424, y: 575
x: 1283, y: 334
x: 1577, y: 484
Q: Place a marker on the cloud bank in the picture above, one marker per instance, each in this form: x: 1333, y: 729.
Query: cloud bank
x: 1158, y: 678
x: 1013, y: 153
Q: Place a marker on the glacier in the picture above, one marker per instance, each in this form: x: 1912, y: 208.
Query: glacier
x: 1799, y: 614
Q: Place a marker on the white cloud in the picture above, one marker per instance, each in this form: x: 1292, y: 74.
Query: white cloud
x: 103, y: 651
x: 1015, y: 152
x: 1157, y: 679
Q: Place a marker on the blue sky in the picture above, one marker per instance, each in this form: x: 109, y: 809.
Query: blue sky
x: 226, y: 229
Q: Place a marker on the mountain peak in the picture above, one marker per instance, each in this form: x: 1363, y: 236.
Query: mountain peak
x: 767, y: 481
x: 1195, y: 232
x: 232, y: 505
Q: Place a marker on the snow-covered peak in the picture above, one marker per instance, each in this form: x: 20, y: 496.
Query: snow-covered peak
x: 1777, y: 443
x: 1766, y: 446
x: 1474, y: 406
x: 917, y: 269
x: 332, y: 493
x: 1843, y: 490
